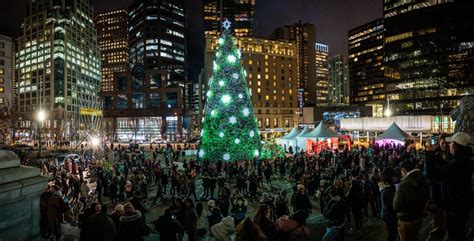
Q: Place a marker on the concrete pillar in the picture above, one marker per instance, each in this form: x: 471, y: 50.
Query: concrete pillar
x: 21, y: 188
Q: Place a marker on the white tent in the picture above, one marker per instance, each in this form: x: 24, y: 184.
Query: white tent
x: 289, y: 139
x: 321, y: 132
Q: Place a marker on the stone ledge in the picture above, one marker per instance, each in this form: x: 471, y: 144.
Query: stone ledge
x: 8, y: 159
x: 18, y: 173
x: 20, y: 190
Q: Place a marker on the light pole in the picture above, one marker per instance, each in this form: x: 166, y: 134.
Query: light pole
x: 41, y: 117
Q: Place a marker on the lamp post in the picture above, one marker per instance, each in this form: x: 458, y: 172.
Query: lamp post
x: 40, y: 117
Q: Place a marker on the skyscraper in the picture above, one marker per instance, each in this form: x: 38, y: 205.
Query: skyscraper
x: 149, y: 99
x: 304, y: 36
x: 366, y: 66
x: 428, y: 55
x: 322, y: 74
x: 338, y: 85
x: 112, y: 35
x: 58, y: 63
x: 6, y: 86
x: 239, y: 12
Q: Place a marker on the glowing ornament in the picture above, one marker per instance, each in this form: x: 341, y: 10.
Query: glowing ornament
x: 226, y: 99
x: 237, y: 141
x: 245, y: 73
x: 231, y: 58
x: 220, y: 41
x: 221, y: 83
x: 226, y: 24
x: 221, y: 134
x: 213, y: 112
x: 235, y: 75
x: 238, y: 53
x: 252, y: 133
x: 209, y: 93
x: 216, y: 66
x: 201, y: 153
x: 257, y: 153
x: 241, y: 96
x: 218, y: 53
x: 226, y: 157
x: 233, y: 120
x: 246, y: 112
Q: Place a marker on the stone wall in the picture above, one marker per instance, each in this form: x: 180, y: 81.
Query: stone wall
x: 20, y: 189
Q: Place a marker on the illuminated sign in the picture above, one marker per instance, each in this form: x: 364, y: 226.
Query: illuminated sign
x: 90, y: 112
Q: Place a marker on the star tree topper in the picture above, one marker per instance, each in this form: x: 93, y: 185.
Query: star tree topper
x: 226, y: 24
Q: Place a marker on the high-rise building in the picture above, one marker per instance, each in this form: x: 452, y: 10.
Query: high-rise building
x: 6, y: 86
x: 58, y: 65
x: 239, y: 12
x: 366, y: 66
x: 322, y: 74
x: 149, y: 100
x: 112, y: 36
x: 428, y: 55
x: 346, y: 86
x: 271, y: 78
x: 304, y: 36
x: 338, y: 84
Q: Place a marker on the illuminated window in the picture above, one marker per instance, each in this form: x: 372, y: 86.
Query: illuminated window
x: 267, y: 97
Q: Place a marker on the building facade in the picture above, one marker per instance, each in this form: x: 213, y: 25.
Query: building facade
x: 239, y: 12
x: 149, y: 99
x: 271, y: 78
x: 338, y: 82
x: 58, y: 66
x: 304, y: 36
x: 366, y: 66
x: 6, y: 87
x: 322, y: 74
x: 428, y: 55
x: 112, y: 36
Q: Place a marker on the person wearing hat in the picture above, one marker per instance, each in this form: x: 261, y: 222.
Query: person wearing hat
x: 456, y: 176
x: 132, y: 227
x: 116, y: 214
x: 300, y: 200
x: 215, y: 215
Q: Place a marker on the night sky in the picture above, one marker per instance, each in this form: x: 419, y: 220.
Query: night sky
x: 332, y: 18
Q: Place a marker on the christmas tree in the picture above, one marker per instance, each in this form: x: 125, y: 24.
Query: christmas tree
x: 230, y: 131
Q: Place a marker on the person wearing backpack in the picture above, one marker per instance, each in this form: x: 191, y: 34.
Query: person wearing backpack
x: 335, y: 211
x: 55, y: 204
x: 292, y: 228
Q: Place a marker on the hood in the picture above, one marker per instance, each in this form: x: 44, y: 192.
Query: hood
x: 383, y: 185
x: 414, y: 178
x: 244, y: 203
x: 228, y: 221
x: 130, y: 217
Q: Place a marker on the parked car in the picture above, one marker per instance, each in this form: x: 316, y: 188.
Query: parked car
x: 63, y: 157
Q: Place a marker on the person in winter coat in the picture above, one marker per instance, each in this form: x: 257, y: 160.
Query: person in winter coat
x: 201, y: 224
x: 456, y: 177
x: 335, y: 212
x: 168, y: 227
x: 239, y: 209
x: 45, y: 228
x: 355, y: 199
x: 84, y: 192
x: 215, y: 215
x: 281, y: 204
x: 410, y: 201
x: 54, y: 214
x: 190, y: 219
x: 292, y: 227
x: 223, y: 230
x: 101, y: 227
x: 387, y: 213
x: 249, y: 231
x: 300, y: 200
x: 132, y: 227
x: 116, y: 214
x: 262, y: 219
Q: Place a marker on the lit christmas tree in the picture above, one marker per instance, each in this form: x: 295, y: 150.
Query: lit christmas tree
x: 229, y: 129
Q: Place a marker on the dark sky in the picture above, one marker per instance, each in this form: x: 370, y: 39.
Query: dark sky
x: 332, y: 18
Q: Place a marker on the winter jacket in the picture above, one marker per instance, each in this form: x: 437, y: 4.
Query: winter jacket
x: 286, y: 224
x: 387, y: 192
x: 132, y: 227
x: 411, y: 197
x: 100, y: 227
x: 168, y: 228
x: 301, y: 202
x: 239, y: 211
x: 190, y: 220
x: 223, y: 230
x: 54, y: 216
x: 335, y: 211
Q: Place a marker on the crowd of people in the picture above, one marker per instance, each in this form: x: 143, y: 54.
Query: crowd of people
x: 397, y: 184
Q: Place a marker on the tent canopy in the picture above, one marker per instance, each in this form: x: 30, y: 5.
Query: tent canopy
x: 321, y: 131
x: 303, y: 132
x: 394, y: 133
x: 292, y: 135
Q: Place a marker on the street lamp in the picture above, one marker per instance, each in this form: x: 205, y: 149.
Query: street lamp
x: 40, y: 117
